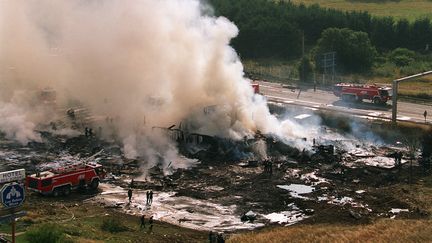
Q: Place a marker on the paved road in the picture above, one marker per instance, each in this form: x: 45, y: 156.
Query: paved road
x: 326, y: 100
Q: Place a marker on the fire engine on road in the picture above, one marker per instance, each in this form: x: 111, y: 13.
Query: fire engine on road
x: 360, y: 92
x: 62, y: 180
x: 256, y: 88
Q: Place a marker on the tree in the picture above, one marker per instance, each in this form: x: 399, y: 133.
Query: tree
x: 402, y: 57
x: 353, y: 49
x: 402, y: 31
x: 305, y: 70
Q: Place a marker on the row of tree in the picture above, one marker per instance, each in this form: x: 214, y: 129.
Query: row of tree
x: 276, y: 28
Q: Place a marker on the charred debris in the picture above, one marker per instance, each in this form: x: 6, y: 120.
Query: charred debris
x: 251, y: 173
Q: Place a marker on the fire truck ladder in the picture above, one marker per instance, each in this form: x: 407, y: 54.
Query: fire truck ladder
x: 69, y: 168
x: 395, y: 87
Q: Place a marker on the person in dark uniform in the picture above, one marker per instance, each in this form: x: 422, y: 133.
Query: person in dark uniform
x: 151, y: 197
x: 151, y: 224
x: 130, y: 195
x: 142, y: 221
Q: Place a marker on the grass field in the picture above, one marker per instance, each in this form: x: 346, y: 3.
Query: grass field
x: 409, y: 9
x: 381, y: 231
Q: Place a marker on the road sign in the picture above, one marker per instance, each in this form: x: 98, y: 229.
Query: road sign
x: 12, y: 195
x: 10, y: 217
x: 13, y: 175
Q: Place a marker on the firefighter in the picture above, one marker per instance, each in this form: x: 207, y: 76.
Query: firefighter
x: 210, y: 237
x: 151, y: 224
x: 151, y: 197
x: 270, y: 168
x: 130, y: 195
x: 220, y: 238
x: 142, y: 221
x: 400, y: 155
x: 147, y: 197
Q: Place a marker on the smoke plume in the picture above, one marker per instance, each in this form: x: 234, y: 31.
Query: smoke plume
x: 140, y: 64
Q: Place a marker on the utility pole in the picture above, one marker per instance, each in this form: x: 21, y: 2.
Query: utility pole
x: 395, y: 86
x: 303, y: 52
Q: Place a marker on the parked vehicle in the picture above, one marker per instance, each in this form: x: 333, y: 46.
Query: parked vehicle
x: 360, y: 92
x: 63, y: 180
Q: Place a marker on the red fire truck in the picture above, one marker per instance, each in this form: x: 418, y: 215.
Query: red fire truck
x: 360, y: 92
x: 256, y: 88
x: 61, y: 181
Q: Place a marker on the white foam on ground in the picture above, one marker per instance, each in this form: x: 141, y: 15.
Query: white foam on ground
x: 183, y: 211
x: 398, y: 210
x: 379, y: 161
x: 343, y: 201
x: 313, y: 179
x: 296, y: 190
x: 285, y: 217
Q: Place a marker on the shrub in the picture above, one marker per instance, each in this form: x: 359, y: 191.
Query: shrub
x: 45, y: 233
x: 305, y: 70
x: 402, y: 56
x: 113, y: 225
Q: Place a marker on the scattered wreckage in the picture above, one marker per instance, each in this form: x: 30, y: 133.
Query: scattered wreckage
x: 238, y: 184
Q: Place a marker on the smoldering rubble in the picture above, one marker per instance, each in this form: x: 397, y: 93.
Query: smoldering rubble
x: 233, y: 184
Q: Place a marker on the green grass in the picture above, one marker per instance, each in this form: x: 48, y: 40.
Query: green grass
x: 85, y: 223
x: 381, y: 231
x: 270, y: 69
x: 408, y: 9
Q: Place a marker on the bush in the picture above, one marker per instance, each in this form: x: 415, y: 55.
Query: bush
x: 402, y: 57
x: 113, y: 225
x: 305, y: 70
x: 45, y: 233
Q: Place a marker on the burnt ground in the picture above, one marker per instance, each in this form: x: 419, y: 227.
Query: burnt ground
x: 221, y: 179
x: 252, y: 189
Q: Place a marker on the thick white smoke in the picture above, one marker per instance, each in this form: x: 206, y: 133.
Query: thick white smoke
x: 141, y: 63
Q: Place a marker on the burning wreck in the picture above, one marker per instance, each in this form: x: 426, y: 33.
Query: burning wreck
x: 231, y: 163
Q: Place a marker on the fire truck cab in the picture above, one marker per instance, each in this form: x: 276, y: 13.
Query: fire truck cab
x: 61, y: 181
x: 256, y: 88
x: 360, y: 92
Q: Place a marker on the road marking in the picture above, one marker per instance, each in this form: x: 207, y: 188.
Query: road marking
x: 404, y: 118
x: 375, y: 114
x: 302, y: 116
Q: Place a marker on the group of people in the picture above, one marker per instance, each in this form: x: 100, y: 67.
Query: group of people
x: 268, y: 166
x: 398, y: 158
x: 149, y: 196
x: 215, y: 237
x: 143, y: 223
x: 88, y: 132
